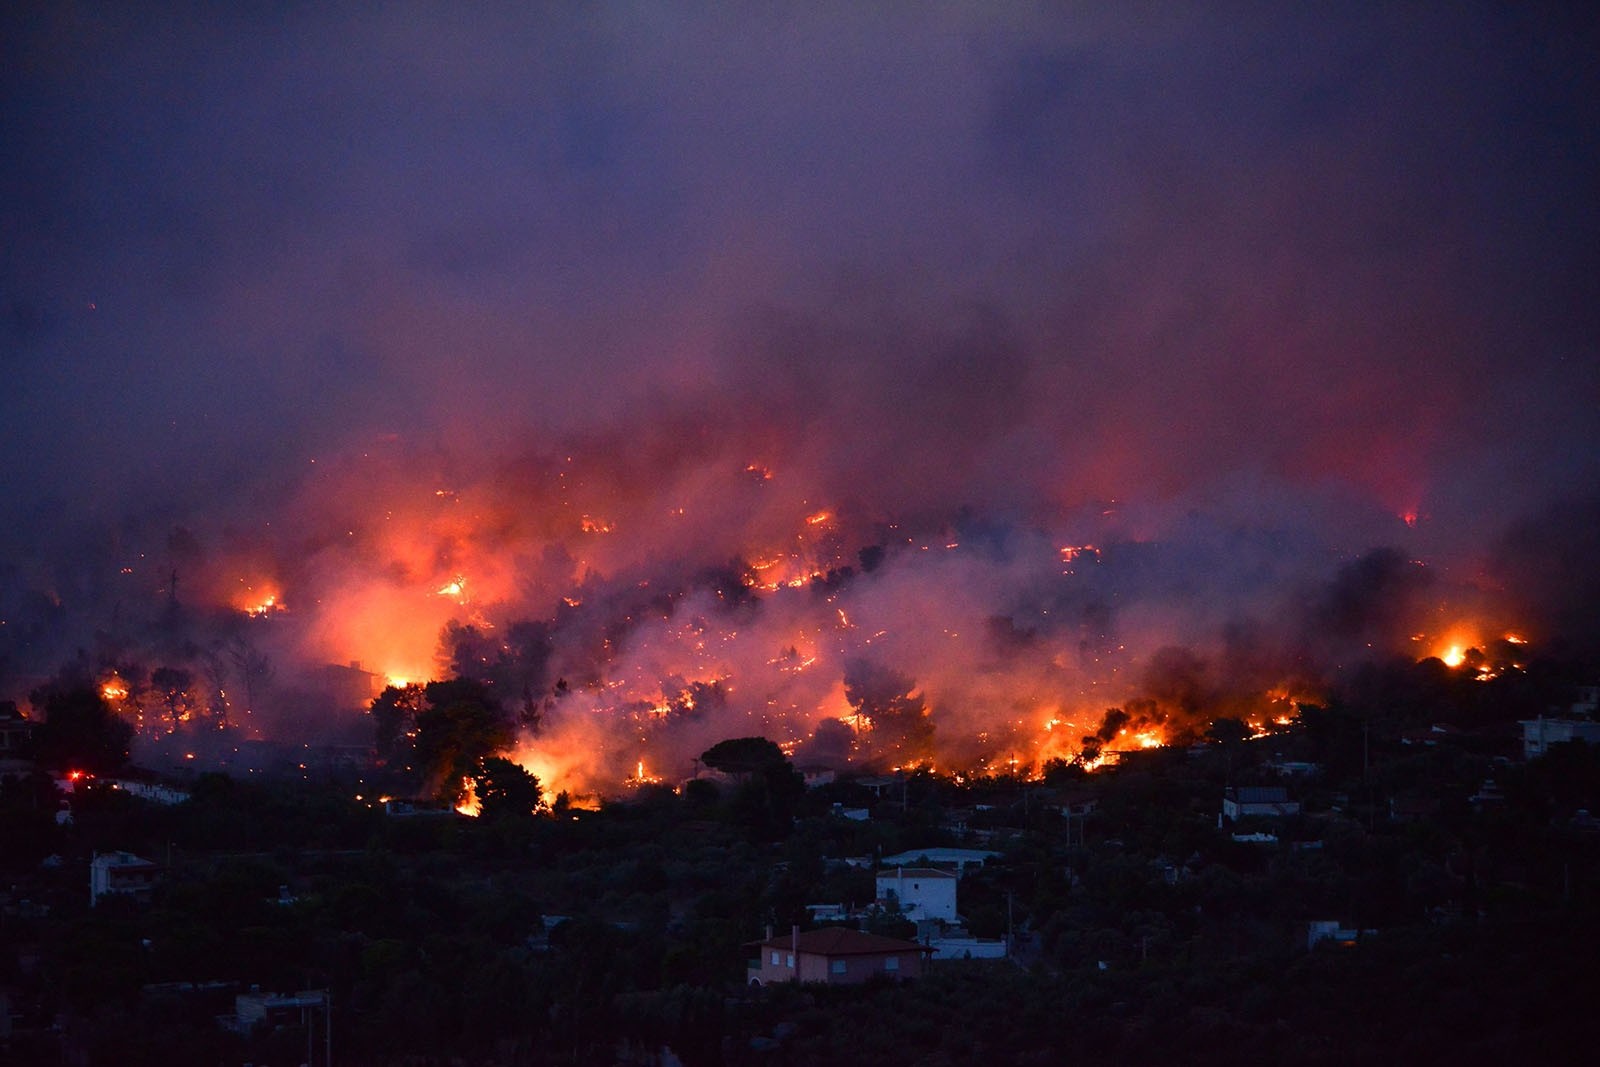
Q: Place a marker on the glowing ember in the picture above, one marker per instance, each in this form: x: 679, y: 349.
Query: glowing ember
x: 258, y: 601
x: 267, y: 606
x: 469, y: 803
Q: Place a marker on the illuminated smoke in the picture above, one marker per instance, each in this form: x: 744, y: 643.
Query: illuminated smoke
x: 681, y: 383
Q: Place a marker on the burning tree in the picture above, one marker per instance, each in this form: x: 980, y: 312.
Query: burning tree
x: 505, y: 789
x: 891, y: 710
x: 254, y: 668
x: 460, y: 727
x: 172, y: 685
x: 515, y: 667
x: 394, y: 720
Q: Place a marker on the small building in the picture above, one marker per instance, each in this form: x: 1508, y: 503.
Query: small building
x: 828, y: 913
x: 155, y: 792
x: 1320, y: 930
x: 349, y: 686
x: 398, y: 808
x: 919, y: 892
x: 954, y: 859
x: 1269, y: 801
x: 267, y: 1010
x: 959, y: 945
x: 1541, y: 733
x: 834, y: 955
x: 1292, y: 768
x: 121, y: 873
x: 817, y: 775
x: 880, y: 784
x: 16, y: 753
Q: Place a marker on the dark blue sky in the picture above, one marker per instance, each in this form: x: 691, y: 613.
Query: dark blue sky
x: 1236, y: 257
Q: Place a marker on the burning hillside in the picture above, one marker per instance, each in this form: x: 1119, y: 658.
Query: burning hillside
x: 908, y: 390
x: 722, y: 597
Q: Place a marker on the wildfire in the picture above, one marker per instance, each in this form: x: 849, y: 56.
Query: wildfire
x: 258, y: 602
x: 267, y: 606
x: 640, y: 777
x: 469, y: 804
x: 1463, y: 647
x: 632, y: 664
x: 1071, y: 553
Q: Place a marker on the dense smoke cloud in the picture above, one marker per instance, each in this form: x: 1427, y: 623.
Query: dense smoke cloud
x: 578, y: 321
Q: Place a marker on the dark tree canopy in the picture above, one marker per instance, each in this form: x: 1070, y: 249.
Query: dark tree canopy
x: 743, y: 755
x: 171, y: 685
x: 1228, y: 731
x: 505, y: 789
x: 394, y: 720
x: 902, y: 730
x: 459, y: 728
x: 79, y: 731
x: 769, y: 787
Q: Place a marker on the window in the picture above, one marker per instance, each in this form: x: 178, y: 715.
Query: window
x: 788, y: 960
x: 892, y: 963
x: 837, y: 967
x: 774, y: 957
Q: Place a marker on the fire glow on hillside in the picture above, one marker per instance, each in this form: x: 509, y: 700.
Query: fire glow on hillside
x: 848, y: 637
x: 971, y: 391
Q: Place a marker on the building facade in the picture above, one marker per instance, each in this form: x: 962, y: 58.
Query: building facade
x: 834, y: 955
x: 919, y: 892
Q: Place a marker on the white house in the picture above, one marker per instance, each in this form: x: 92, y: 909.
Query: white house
x: 1271, y: 801
x: 122, y: 873
x: 921, y: 892
x: 1539, y: 734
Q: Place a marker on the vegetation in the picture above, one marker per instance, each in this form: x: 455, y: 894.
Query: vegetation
x: 536, y: 934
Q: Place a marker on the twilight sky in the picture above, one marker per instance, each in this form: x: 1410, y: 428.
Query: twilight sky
x: 1322, y: 267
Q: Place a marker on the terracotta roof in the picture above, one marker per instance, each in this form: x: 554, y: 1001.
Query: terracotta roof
x: 840, y: 941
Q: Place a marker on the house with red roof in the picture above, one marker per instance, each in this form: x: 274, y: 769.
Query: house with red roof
x: 835, y: 955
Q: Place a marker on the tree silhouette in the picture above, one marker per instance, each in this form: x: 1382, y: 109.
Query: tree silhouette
x: 901, y: 730
x: 505, y: 790
x: 79, y: 731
